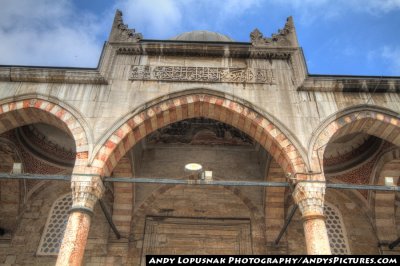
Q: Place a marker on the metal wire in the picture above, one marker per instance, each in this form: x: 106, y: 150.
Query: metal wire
x: 160, y: 180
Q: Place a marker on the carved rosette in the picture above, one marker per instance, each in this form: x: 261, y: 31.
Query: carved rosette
x: 86, y: 190
x: 310, y: 199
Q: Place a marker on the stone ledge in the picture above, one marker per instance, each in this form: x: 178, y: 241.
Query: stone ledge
x: 234, y: 50
x: 327, y: 83
x: 51, y: 75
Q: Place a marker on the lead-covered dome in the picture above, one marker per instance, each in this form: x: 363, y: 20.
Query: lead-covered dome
x: 202, y: 36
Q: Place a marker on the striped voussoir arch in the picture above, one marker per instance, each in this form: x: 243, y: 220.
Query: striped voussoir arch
x: 375, y: 123
x: 176, y: 109
x: 28, y: 111
x: 383, y: 202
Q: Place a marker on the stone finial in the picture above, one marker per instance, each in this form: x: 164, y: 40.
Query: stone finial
x: 120, y: 31
x: 86, y: 190
x: 285, y: 37
x: 310, y: 198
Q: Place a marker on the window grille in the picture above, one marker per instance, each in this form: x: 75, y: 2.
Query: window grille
x: 336, y: 230
x: 55, y: 226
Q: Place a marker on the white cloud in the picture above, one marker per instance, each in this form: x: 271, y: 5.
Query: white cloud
x: 46, y: 32
x: 391, y: 54
x: 309, y: 11
x: 158, y: 17
x: 377, y: 6
x: 165, y: 18
x: 388, y: 57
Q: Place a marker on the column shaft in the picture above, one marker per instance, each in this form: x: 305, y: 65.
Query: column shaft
x: 317, y: 241
x: 75, y: 238
x: 86, y: 190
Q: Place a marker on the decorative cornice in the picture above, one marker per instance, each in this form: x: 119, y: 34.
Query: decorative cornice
x: 50, y: 75
x: 328, y: 83
x: 227, y: 50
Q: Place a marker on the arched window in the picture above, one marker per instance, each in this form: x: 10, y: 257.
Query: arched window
x: 336, y: 230
x: 55, y: 226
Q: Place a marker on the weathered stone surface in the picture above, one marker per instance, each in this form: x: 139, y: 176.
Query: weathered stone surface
x: 261, y: 89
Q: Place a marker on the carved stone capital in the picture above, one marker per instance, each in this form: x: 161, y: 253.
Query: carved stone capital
x: 310, y: 199
x: 86, y: 190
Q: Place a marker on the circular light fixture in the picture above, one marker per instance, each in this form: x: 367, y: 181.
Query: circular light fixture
x: 193, y: 167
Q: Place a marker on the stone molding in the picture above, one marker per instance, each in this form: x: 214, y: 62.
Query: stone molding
x: 325, y: 83
x: 310, y: 198
x: 51, y: 75
x: 86, y: 190
x: 231, y: 50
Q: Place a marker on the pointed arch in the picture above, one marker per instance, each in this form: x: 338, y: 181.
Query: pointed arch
x: 29, y: 109
x: 173, y: 108
x: 373, y: 120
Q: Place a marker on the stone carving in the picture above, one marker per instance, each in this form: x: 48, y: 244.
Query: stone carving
x: 310, y: 198
x: 121, y: 32
x: 36, y: 142
x: 199, y: 131
x: 140, y: 72
x: 282, y: 38
x: 86, y: 190
x: 203, y: 74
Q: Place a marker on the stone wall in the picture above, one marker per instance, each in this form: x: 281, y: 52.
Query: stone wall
x: 203, y: 202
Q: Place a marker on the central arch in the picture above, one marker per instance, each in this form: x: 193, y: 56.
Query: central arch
x: 174, y: 108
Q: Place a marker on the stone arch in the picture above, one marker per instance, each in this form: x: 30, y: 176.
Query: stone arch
x: 372, y: 120
x: 34, y: 109
x: 383, y: 202
x: 173, y: 108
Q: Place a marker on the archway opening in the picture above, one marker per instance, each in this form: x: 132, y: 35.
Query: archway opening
x: 230, y: 154
x: 349, y: 149
x: 45, y: 139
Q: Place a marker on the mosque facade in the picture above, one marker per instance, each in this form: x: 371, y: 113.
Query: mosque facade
x: 199, y: 145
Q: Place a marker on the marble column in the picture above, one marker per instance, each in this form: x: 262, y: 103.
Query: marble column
x: 86, y: 190
x: 310, y: 199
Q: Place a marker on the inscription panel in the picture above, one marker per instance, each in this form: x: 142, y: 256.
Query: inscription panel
x: 203, y: 74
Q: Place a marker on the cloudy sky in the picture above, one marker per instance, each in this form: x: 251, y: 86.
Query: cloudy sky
x: 353, y: 37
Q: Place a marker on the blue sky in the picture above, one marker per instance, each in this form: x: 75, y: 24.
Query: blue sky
x: 352, y: 37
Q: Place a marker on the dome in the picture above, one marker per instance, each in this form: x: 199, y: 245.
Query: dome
x: 202, y: 36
